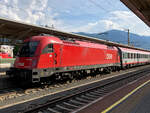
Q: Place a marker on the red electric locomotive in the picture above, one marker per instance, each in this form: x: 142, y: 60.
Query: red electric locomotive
x: 48, y: 57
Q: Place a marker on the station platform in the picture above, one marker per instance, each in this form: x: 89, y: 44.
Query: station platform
x: 132, y: 98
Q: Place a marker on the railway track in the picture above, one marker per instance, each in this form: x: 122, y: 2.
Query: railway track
x: 13, y: 91
x: 75, y: 100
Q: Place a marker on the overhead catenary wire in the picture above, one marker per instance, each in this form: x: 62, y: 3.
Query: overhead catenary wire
x: 99, y: 6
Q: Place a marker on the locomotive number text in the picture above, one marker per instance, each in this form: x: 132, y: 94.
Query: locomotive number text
x: 108, y: 56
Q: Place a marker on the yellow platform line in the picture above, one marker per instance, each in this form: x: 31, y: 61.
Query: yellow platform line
x: 125, y: 97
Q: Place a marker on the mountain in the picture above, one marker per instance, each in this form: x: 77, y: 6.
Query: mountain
x: 122, y: 37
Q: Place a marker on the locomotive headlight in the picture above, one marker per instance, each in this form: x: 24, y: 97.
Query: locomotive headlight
x: 34, y: 63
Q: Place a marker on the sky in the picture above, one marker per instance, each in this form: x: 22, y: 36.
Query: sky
x: 90, y: 16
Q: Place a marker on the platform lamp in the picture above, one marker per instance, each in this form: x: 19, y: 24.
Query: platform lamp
x: 128, y: 36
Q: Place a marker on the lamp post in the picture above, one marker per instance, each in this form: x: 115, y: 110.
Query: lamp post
x: 128, y: 36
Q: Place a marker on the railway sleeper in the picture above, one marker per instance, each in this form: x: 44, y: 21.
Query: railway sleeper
x: 68, y: 106
x: 72, y: 105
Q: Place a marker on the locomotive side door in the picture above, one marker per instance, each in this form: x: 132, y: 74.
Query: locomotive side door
x: 47, y: 57
x: 57, y: 55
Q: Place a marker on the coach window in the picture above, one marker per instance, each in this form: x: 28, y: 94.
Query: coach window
x: 128, y: 55
x: 48, y: 49
x: 123, y: 55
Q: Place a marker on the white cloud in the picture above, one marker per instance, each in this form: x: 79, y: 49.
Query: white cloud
x: 38, y: 4
x: 117, y: 20
x: 127, y: 19
x: 99, y: 26
x: 29, y: 11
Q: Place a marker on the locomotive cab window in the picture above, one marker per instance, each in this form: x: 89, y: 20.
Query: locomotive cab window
x: 48, y: 49
x: 28, y: 49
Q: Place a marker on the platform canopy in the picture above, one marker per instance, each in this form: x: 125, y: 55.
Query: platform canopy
x: 141, y: 8
x: 19, y: 31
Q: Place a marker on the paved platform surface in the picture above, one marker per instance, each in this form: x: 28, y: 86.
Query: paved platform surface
x: 136, y: 103
x: 132, y: 98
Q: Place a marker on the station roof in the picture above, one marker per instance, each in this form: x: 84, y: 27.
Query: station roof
x: 19, y: 31
x: 141, y: 8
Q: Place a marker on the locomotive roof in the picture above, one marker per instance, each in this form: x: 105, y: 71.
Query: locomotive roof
x: 54, y: 39
x: 19, y: 31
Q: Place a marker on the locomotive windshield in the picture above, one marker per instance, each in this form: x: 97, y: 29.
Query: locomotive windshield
x: 28, y: 49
